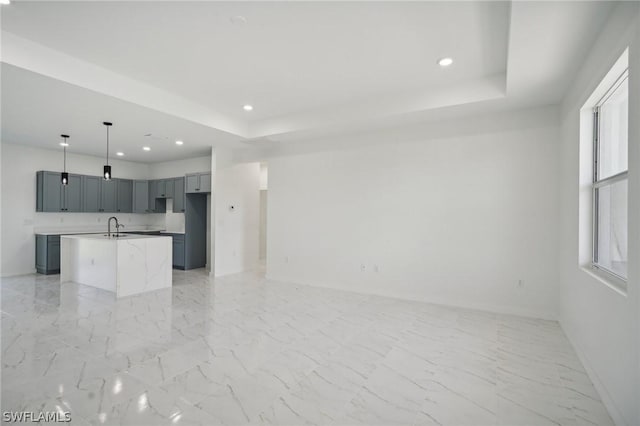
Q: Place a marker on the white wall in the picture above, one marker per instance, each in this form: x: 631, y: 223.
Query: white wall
x: 19, y: 218
x: 456, y: 220
x: 236, y: 231
x: 602, y: 324
x: 178, y: 168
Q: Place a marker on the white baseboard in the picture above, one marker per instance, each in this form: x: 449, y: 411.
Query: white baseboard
x: 497, y: 309
x: 16, y: 274
x: 615, y: 414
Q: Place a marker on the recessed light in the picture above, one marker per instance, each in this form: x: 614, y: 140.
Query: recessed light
x: 445, y: 62
x: 5, y: 2
x: 146, y: 148
x: 238, y: 20
x: 64, y: 144
x: 179, y: 142
x: 247, y: 108
x: 119, y: 154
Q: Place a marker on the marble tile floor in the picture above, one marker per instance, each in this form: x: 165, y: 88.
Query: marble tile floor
x: 244, y: 350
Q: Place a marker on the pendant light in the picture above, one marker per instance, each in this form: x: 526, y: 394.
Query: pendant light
x: 107, y: 168
x: 64, y: 177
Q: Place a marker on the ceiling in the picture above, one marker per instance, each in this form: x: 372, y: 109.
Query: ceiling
x: 36, y: 110
x: 185, y: 69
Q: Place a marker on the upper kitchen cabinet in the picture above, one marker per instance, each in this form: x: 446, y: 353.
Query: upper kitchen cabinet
x: 108, y: 195
x: 141, y: 196
x: 178, y: 195
x: 52, y: 196
x: 157, y: 203
x: 159, y: 188
x: 91, y: 194
x: 198, y: 183
x: 163, y: 188
x: 72, y: 194
x: 99, y: 195
x: 125, y: 196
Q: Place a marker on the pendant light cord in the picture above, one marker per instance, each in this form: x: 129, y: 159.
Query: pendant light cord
x: 65, y: 159
x: 107, y: 145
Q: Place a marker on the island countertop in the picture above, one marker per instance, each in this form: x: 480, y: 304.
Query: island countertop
x: 92, y: 230
x: 122, y: 236
x: 125, y: 265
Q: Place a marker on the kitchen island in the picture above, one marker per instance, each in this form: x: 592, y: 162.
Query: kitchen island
x: 124, y: 264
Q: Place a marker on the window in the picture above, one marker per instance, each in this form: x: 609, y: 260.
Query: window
x: 610, y: 168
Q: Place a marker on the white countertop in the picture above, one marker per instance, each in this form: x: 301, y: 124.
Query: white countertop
x: 172, y: 232
x: 123, y: 236
x: 102, y: 229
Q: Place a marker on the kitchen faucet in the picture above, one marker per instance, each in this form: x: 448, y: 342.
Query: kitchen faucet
x: 109, y: 226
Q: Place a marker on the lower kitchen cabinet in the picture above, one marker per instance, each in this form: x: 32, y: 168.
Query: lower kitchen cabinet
x: 48, y: 254
x: 178, y: 251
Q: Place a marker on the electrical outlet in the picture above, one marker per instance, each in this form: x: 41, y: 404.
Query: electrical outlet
x: 520, y: 283
x: 286, y: 259
x: 98, y: 220
x: 376, y: 269
x: 363, y: 267
x: 61, y: 219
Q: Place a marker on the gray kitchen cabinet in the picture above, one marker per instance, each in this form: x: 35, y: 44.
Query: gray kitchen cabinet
x: 153, y: 185
x: 91, y: 194
x: 198, y: 183
x: 108, y: 196
x: 48, y: 254
x: 178, y: 195
x: 160, y: 188
x: 125, y: 196
x: 193, y: 183
x: 99, y: 195
x: 163, y: 188
x: 48, y: 192
x: 168, y: 188
x: 141, y: 196
x: 156, y: 204
x: 72, y: 194
x: 52, y: 196
x: 205, y: 182
x: 178, y: 251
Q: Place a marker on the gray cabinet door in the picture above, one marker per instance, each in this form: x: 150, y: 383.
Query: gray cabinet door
x: 91, y: 193
x: 41, y: 254
x: 160, y: 186
x: 178, y: 252
x: 153, y: 188
x: 108, y: 196
x: 125, y: 196
x: 193, y: 183
x: 205, y: 182
x: 53, y: 254
x: 72, y: 194
x: 178, y: 195
x: 168, y: 188
x: 141, y: 196
x: 51, y: 192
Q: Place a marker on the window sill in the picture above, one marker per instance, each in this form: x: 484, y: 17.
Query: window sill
x: 610, y: 280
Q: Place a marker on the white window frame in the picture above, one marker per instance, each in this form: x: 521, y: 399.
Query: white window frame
x: 608, y: 181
